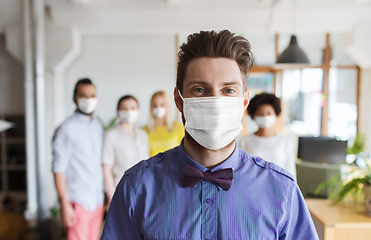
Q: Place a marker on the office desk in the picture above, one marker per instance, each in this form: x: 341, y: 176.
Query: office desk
x: 339, y: 222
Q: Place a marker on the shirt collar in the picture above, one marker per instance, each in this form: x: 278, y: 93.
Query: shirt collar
x: 121, y: 129
x: 230, y: 162
x: 82, y: 117
x: 185, y: 159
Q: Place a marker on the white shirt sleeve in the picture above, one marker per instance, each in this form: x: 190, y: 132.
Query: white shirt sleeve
x: 146, y: 145
x: 290, y: 164
x: 62, y: 148
x: 244, y: 144
x: 108, y: 154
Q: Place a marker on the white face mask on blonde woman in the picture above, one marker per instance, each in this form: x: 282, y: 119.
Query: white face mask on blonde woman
x: 159, y: 112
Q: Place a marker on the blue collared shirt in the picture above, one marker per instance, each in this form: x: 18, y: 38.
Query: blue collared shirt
x: 77, y: 153
x: 264, y: 202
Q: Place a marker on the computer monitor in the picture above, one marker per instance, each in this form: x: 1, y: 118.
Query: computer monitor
x: 322, y: 149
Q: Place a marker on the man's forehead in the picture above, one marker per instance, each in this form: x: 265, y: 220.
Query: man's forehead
x: 85, y: 86
x: 207, y: 70
x: 231, y: 82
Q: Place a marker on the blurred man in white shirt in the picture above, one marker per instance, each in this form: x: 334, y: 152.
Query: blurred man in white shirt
x: 77, y: 152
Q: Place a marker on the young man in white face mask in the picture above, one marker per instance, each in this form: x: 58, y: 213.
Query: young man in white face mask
x: 77, y: 158
x: 206, y: 188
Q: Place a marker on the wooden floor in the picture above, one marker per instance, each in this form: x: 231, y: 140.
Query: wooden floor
x: 10, y: 225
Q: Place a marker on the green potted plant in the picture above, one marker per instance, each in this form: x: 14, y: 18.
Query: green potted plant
x: 110, y: 124
x: 353, y: 182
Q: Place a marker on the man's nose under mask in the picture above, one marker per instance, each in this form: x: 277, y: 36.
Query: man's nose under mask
x: 213, y: 122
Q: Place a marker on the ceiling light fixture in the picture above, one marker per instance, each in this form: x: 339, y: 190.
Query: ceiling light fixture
x: 293, y: 54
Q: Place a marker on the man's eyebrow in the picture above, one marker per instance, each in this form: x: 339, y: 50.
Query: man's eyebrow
x: 198, y: 82
x: 232, y: 83
x: 206, y: 83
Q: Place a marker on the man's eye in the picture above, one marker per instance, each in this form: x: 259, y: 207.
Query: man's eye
x: 199, y: 90
x: 229, y: 91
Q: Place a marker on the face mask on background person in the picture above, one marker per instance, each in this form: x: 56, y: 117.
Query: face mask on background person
x: 265, y: 122
x: 213, y: 122
x: 130, y: 116
x: 159, y: 112
x: 87, y: 105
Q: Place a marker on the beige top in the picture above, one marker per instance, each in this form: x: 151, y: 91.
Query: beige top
x: 277, y: 149
x: 122, y: 151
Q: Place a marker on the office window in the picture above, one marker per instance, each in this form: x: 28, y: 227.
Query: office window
x: 16, y: 180
x: 302, y: 100
x: 16, y: 154
x: 342, y: 117
x: 13, y: 163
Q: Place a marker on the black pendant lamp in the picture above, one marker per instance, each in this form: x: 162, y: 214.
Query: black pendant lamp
x: 293, y: 54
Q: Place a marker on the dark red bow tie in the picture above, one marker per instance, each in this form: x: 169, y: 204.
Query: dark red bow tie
x: 192, y: 176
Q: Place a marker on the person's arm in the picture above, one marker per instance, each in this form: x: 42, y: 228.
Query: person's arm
x: 244, y: 144
x: 120, y: 223
x: 146, y: 145
x: 68, y: 213
x: 61, y: 156
x: 290, y: 165
x: 109, y: 182
x: 241, y: 144
x: 299, y: 224
x: 108, y: 161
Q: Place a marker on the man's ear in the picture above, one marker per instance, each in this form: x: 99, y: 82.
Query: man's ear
x: 178, y: 100
x: 75, y: 100
x: 246, y: 99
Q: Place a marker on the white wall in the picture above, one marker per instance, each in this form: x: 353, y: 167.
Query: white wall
x: 124, y: 64
x: 11, y: 82
x: 10, y: 12
x: 117, y: 64
x: 359, y: 44
x: 365, y: 108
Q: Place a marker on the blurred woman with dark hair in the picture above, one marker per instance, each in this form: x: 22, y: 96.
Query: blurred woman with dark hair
x: 124, y: 145
x: 267, y: 143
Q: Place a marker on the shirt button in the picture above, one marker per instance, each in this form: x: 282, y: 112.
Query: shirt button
x: 209, y: 200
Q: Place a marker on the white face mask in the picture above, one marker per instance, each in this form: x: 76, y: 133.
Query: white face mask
x: 213, y: 122
x: 159, y: 112
x: 130, y: 116
x: 87, y: 105
x: 265, y: 122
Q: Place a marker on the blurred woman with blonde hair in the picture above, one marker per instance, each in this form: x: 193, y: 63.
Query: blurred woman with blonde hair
x: 163, y: 132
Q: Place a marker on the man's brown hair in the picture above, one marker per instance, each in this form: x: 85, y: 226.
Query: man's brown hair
x: 215, y: 45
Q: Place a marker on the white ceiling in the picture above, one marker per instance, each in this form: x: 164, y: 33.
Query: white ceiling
x: 309, y: 19
x: 142, y: 4
x: 169, y: 16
